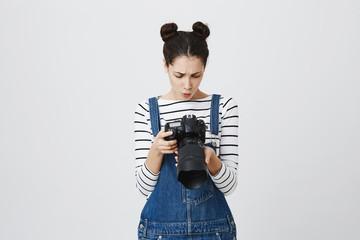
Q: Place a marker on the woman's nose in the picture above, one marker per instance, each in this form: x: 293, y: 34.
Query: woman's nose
x: 187, y: 83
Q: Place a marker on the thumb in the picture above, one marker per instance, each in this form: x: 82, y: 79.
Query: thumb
x: 207, y: 160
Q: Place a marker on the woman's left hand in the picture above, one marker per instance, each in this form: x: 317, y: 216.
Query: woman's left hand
x: 212, y: 161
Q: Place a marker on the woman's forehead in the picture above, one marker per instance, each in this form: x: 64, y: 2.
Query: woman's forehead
x: 187, y: 65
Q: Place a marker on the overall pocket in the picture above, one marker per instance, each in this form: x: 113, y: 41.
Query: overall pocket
x: 200, y: 195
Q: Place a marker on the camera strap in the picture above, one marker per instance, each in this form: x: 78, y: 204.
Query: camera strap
x: 154, y: 116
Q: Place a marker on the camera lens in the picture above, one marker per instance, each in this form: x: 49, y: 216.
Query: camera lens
x: 192, y: 170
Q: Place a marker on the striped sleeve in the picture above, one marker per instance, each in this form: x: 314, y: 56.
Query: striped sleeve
x: 226, y: 179
x: 145, y: 179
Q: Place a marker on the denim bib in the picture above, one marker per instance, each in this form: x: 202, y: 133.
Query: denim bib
x: 172, y: 210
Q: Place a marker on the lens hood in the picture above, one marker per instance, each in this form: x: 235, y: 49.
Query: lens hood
x: 192, y: 170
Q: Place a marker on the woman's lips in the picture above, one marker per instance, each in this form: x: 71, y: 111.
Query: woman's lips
x: 186, y: 95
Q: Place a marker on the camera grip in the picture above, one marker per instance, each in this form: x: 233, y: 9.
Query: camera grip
x: 171, y: 137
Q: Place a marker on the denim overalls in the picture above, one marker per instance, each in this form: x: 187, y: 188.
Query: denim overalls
x: 175, y: 212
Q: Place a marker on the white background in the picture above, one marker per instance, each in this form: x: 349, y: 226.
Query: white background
x: 72, y: 72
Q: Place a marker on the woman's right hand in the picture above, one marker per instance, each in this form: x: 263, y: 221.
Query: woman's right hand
x: 161, y: 145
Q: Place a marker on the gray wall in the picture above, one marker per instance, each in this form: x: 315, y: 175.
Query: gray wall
x: 72, y: 72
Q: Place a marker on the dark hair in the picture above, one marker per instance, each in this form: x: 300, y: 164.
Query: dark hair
x: 181, y: 43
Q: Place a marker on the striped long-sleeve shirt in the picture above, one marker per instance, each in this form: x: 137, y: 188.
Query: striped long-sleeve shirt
x: 173, y: 110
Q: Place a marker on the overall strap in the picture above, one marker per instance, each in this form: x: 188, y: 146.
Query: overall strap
x: 154, y: 116
x: 214, y: 114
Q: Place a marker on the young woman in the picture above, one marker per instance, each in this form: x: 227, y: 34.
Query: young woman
x: 173, y: 211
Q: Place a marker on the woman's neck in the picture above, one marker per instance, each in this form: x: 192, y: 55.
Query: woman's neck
x: 171, y: 96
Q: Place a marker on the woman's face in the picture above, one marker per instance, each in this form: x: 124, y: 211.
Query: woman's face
x: 185, y: 76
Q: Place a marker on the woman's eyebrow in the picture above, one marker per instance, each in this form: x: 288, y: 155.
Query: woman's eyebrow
x: 184, y: 73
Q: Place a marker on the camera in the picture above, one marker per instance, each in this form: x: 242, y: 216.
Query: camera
x: 190, y: 132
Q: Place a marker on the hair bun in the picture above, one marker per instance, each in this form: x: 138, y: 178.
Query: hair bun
x: 168, y: 30
x: 201, y: 29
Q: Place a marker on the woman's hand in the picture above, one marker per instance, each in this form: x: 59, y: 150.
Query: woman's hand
x: 161, y: 146
x: 212, y: 161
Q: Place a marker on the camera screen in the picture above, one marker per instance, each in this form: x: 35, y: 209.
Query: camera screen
x: 175, y: 124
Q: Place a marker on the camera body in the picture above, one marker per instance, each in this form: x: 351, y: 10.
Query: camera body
x: 190, y: 133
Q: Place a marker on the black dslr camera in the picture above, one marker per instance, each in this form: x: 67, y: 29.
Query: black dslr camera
x: 190, y: 132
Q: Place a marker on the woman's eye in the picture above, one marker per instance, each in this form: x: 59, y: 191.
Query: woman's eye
x: 182, y: 76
